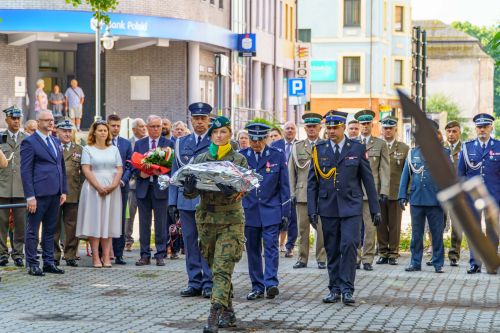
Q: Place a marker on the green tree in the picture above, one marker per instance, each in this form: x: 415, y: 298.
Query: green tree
x: 496, y: 126
x: 99, y: 7
x: 489, y: 37
x: 438, y: 103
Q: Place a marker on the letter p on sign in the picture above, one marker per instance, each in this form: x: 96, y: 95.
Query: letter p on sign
x: 296, y: 87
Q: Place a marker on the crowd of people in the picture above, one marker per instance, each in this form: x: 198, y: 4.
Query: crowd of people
x: 350, y: 187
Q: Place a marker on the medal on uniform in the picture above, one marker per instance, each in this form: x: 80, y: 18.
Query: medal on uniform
x: 268, y: 167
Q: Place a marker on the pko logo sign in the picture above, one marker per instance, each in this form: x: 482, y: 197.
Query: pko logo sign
x: 297, y: 87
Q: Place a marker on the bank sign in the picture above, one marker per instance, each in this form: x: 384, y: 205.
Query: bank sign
x: 323, y: 70
x: 81, y: 22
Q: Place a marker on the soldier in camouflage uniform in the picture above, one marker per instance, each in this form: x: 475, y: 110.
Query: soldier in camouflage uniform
x: 220, y: 223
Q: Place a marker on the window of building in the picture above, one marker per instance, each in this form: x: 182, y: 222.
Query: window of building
x: 281, y: 19
x: 221, y: 4
x: 291, y: 24
x: 352, y: 70
x: 398, y: 72
x: 352, y: 13
x: 258, y: 13
x: 385, y: 15
x: 305, y: 35
x: 286, y: 21
x: 398, y: 19
x: 212, y: 2
x: 271, y: 11
x: 384, y: 71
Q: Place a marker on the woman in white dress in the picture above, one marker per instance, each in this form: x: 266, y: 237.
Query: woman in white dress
x: 99, y: 210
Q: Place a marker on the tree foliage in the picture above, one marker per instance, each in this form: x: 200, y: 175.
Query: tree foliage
x: 101, y: 8
x: 489, y: 37
x: 438, y: 103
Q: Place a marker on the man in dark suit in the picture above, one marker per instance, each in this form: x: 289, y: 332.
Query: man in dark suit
x: 267, y: 209
x: 44, y: 182
x: 339, y: 166
x: 290, y: 133
x: 150, y: 198
x: 125, y: 148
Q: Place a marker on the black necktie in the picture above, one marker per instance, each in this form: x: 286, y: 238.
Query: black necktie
x: 336, y: 154
x: 199, y: 140
x: 258, y: 156
x: 484, y: 147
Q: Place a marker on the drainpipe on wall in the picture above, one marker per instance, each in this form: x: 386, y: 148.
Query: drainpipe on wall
x: 371, y: 53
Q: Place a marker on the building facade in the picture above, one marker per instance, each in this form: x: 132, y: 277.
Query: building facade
x: 458, y: 68
x: 361, y: 52
x: 164, y: 57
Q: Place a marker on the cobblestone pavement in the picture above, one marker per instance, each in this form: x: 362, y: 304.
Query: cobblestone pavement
x: 137, y: 299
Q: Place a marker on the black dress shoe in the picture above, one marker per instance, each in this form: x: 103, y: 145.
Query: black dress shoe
x: 429, y: 263
x: 120, y: 261
x: 368, y: 267
x: 382, y: 261
x: 332, y: 297
x: 160, y: 262
x: 358, y: 266
x: 393, y: 261
x: 412, y: 268
x: 18, y: 262
x: 52, y: 269
x: 439, y: 270
x: 4, y: 262
x: 71, y: 263
x: 190, y: 292
x: 255, y: 295
x: 272, y: 292
x: 35, y: 271
x: 453, y: 262
x: 289, y: 253
x: 321, y: 265
x: 347, y: 299
x: 206, y: 293
x: 57, y: 262
x: 474, y: 269
x: 300, y: 264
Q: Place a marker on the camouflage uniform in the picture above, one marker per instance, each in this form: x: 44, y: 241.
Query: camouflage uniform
x: 220, y: 224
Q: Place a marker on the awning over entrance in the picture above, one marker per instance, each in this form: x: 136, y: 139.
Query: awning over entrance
x: 35, y: 24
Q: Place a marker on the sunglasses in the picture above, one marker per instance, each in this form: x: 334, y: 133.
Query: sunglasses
x: 101, y: 122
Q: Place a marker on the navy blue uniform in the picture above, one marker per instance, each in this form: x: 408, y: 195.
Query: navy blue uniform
x: 473, y: 161
x: 199, y: 274
x: 423, y: 205
x: 264, y: 208
x: 339, y: 203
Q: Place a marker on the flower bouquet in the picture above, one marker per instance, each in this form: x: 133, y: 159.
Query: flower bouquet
x: 211, y: 173
x: 160, y: 159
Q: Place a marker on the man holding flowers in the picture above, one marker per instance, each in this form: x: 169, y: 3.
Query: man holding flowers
x: 149, y: 196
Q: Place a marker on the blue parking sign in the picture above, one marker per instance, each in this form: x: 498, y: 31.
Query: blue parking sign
x: 297, y: 87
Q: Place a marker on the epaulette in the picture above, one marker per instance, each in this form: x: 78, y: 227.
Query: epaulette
x: 470, y: 141
x: 321, y: 142
x: 275, y: 149
x: 353, y: 142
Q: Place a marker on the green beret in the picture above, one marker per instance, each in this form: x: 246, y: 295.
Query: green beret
x: 218, y: 123
x: 451, y: 124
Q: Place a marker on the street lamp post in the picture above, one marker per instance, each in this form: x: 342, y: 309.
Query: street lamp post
x: 108, y: 43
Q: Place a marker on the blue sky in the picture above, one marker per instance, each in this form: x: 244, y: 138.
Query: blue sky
x: 479, y: 12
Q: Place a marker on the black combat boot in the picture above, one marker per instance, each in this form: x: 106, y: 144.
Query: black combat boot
x: 227, y: 318
x: 213, y: 319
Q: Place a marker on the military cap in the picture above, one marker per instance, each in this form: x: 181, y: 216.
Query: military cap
x: 65, y: 124
x: 389, y: 121
x: 483, y: 119
x: 312, y: 118
x: 200, y: 109
x: 364, y: 116
x: 257, y: 131
x: 13, y: 112
x: 334, y: 118
x: 451, y: 124
x: 219, y: 122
